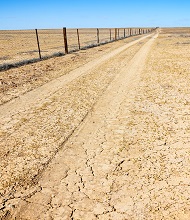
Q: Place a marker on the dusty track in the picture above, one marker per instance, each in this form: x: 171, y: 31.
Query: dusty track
x: 35, y: 125
x: 78, y: 183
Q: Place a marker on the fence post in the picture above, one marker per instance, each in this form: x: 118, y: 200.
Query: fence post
x: 130, y: 31
x: 124, y: 32
x: 98, y: 37
x: 110, y: 34
x: 38, y: 44
x: 65, y: 40
x: 118, y: 33
x: 78, y: 38
x: 115, y: 33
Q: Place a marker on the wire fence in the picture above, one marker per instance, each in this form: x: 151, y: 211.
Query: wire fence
x: 24, y: 46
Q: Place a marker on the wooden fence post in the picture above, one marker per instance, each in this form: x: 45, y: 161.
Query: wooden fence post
x: 124, y: 32
x: 65, y: 40
x: 110, y: 34
x: 118, y: 33
x: 38, y: 44
x: 115, y: 33
x: 130, y: 31
x: 78, y: 38
x: 98, y: 37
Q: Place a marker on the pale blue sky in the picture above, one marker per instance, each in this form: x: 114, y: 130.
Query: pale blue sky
x: 85, y: 13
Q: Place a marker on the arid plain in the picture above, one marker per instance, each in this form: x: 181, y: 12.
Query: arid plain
x: 102, y: 133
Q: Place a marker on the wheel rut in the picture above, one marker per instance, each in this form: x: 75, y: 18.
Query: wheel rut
x: 85, y: 180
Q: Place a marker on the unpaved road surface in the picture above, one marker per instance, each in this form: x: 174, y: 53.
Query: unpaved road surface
x: 113, y: 142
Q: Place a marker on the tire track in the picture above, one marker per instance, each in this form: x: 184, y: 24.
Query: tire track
x: 30, y: 139
x: 80, y: 181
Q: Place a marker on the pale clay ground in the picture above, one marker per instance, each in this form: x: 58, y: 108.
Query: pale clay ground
x: 128, y: 159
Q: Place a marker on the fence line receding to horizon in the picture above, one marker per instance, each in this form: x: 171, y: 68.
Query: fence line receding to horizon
x: 30, y: 45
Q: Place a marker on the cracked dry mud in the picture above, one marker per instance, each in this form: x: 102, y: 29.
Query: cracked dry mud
x: 121, y: 131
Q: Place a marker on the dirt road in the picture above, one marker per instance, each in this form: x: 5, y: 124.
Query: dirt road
x: 35, y: 125
x: 85, y: 172
x: 109, y: 139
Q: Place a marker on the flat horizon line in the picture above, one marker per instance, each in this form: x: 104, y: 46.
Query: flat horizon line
x: 92, y: 28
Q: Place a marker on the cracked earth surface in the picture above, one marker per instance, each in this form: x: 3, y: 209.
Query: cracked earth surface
x: 129, y: 158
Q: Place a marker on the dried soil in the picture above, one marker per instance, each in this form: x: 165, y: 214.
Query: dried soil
x: 121, y: 133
